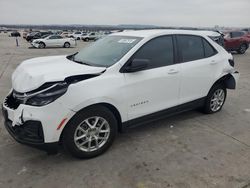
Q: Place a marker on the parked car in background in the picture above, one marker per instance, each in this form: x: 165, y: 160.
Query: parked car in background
x: 236, y: 41
x: 216, y: 36
x: 15, y: 34
x: 77, y: 35
x: 90, y: 36
x: 65, y: 34
x: 37, y: 35
x: 247, y: 30
x: 83, y: 100
x: 53, y: 41
x: 25, y: 33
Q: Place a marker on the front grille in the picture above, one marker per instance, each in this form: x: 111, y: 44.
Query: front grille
x: 12, y: 102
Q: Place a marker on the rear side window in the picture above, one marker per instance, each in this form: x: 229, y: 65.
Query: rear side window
x: 193, y: 48
x: 159, y: 51
x: 190, y: 47
x: 236, y: 34
x: 53, y: 37
x: 208, y: 49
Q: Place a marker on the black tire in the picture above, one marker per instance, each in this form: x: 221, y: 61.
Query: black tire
x: 66, y: 45
x: 208, y: 107
x: 86, y: 40
x: 78, y: 38
x: 71, y: 127
x: 242, y: 49
x: 41, y: 45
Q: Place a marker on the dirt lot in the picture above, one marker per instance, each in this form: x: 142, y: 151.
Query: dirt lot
x: 187, y: 150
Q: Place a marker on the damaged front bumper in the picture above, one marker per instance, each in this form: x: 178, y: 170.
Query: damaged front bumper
x: 30, y: 133
x: 35, y: 126
x: 35, y: 45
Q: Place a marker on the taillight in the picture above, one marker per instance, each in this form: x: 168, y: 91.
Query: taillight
x: 231, y: 62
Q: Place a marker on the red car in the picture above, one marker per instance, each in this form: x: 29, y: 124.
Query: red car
x: 237, y: 41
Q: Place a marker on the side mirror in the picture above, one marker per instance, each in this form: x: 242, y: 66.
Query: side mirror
x: 136, y: 65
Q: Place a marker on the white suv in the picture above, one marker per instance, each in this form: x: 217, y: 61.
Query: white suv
x: 77, y: 35
x: 83, y: 100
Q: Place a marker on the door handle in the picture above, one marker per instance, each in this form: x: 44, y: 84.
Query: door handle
x: 173, y: 71
x: 213, y: 62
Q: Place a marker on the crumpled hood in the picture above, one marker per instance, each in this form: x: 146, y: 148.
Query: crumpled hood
x: 33, y: 73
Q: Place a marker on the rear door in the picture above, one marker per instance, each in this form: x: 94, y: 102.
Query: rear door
x: 51, y: 41
x: 59, y: 41
x: 198, y: 60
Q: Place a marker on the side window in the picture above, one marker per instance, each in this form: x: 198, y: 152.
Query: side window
x: 159, y: 51
x: 53, y: 37
x: 190, y: 47
x: 236, y: 34
x: 208, y: 49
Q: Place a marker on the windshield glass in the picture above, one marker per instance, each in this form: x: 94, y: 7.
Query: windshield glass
x: 106, y: 51
x: 45, y: 36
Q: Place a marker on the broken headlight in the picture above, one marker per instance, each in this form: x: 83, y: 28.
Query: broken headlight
x: 44, y: 96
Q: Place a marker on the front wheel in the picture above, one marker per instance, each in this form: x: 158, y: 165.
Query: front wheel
x: 90, y: 132
x: 215, y: 99
x: 41, y: 45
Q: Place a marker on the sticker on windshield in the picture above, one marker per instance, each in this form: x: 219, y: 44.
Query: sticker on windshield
x: 127, y: 41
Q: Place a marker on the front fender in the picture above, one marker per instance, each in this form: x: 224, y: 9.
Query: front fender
x: 105, y: 100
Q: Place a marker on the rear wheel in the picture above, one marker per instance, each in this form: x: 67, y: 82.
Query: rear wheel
x: 66, y: 45
x: 242, y: 49
x: 87, y: 39
x: 90, y: 132
x: 215, y: 99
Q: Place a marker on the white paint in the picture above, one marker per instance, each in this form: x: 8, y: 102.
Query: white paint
x: 162, y: 90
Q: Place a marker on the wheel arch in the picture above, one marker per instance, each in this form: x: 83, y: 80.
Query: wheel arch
x: 111, y: 107
x: 227, y: 80
x: 66, y: 42
x: 42, y: 42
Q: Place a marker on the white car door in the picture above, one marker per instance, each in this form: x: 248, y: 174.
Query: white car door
x: 51, y: 41
x: 157, y: 87
x: 198, y: 62
x: 60, y: 41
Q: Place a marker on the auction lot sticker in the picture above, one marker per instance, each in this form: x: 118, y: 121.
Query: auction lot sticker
x: 127, y: 41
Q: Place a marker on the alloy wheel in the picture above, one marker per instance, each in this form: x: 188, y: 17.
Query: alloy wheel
x: 92, y: 134
x: 217, y: 100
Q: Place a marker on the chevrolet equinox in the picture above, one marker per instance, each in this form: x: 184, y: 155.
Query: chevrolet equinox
x: 83, y: 100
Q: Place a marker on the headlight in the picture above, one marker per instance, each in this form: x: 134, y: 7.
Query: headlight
x: 44, y: 96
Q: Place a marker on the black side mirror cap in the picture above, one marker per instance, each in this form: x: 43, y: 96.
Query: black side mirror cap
x: 136, y: 65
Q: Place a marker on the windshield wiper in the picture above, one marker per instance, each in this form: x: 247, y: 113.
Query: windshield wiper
x: 72, y: 58
x: 81, y: 62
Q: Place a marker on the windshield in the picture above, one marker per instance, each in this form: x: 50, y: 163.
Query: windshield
x: 106, y: 51
x: 33, y: 33
x: 45, y: 36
